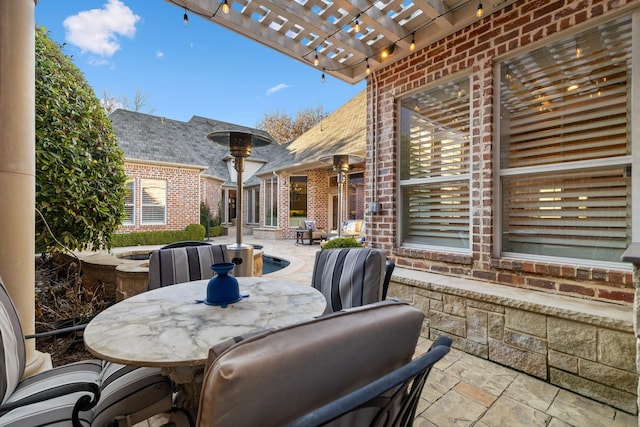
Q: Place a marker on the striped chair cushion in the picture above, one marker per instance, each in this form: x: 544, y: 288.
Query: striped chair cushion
x: 12, y: 350
x: 177, y: 265
x: 349, y: 277
x: 126, y: 391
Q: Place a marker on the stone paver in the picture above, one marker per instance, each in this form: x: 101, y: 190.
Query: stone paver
x: 464, y: 390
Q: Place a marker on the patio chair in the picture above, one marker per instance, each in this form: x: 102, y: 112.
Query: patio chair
x: 184, y: 264
x: 391, y: 399
x: 185, y: 243
x: 311, y: 231
x: 389, y: 267
x: 91, y: 392
x: 349, y: 277
x: 272, y: 378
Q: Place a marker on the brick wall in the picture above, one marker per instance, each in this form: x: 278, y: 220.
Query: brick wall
x: 520, y: 25
x: 317, y: 200
x: 183, y: 195
x: 211, y: 194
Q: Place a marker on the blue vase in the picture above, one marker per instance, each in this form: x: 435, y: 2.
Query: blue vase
x: 222, y: 288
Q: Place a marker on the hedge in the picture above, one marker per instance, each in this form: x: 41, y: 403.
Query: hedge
x: 191, y: 232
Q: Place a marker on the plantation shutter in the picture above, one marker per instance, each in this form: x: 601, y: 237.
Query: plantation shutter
x: 435, y: 166
x: 129, y: 202
x: 564, y: 103
x: 154, y: 195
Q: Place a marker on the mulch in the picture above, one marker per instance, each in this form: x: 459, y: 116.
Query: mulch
x: 62, y: 301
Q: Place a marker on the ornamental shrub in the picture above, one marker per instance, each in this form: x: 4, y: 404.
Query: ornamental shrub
x: 342, y: 242
x: 80, y: 177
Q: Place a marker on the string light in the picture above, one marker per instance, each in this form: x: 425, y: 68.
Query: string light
x: 479, y: 12
x: 323, y: 75
x: 384, y: 54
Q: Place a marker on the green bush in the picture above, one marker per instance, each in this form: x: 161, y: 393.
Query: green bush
x: 79, y: 168
x: 342, y: 242
x: 143, y: 238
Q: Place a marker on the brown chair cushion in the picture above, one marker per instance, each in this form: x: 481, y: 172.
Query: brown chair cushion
x: 281, y: 374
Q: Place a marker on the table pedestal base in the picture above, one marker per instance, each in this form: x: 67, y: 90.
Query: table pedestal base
x: 188, y: 381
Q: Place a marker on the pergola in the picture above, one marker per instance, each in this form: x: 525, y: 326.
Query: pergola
x: 345, y: 39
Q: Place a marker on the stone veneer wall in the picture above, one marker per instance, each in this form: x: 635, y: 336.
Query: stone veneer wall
x: 585, y: 346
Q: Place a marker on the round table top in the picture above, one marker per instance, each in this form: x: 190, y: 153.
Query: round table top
x: 166, y: 327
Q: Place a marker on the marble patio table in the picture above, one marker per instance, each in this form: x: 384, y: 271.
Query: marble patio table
x: 167, y: 328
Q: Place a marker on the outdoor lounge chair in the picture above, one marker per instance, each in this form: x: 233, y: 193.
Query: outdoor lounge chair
x: 87, y: 393
x: 311, y: 231
x: 184, y: 264
x: 277, y: 376
x: 349, y: 277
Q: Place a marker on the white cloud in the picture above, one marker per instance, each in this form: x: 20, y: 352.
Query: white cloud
x: 159, y: 54
x: 97, y: 30
x: 277, y: 88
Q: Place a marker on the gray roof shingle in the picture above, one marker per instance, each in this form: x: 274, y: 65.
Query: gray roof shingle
x: 144, y: 137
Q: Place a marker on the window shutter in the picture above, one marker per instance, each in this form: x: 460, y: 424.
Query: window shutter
x: 435, y: 149
x: 564, y: 110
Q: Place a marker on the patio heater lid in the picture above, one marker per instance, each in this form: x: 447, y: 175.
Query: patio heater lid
x: 341, y: 162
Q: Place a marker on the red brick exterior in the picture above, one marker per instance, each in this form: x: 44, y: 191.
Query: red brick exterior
x: 524, y: 24
x: 183, y: 195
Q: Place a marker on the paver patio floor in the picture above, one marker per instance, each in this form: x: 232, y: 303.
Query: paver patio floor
x: 464, y: 390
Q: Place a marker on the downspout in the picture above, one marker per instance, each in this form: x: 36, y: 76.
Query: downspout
x: 374, y: 207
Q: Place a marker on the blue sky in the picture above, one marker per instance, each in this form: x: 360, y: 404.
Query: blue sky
x: 202, y: 69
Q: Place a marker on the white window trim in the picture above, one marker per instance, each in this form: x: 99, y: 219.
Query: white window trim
x: 142, y: 205
x: 621, y: 160
x: 466, y: 177
x: 132, y: 219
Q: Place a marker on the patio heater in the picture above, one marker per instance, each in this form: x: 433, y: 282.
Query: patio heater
x: 341, y: 164
x: 239, y: 144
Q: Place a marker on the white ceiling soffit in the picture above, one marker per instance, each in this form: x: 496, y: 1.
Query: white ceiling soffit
x: 303, y: 29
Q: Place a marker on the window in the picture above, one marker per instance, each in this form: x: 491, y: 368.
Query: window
x: 271, y: 202
x: 297, y: 200
x: 253, y: 205
x: 565, y: 147
x: 129, y: 203
x: 434, y: 170
x: 154, y: 200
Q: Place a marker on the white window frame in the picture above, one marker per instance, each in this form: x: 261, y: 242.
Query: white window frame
x: 130, y: 220
x: 271, y: 199
x: 153, y: 182
x: 632, y: 160
x: 464, y: 177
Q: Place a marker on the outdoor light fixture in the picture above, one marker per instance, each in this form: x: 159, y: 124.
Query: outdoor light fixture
x: 479, y: 12
x: 323, y: 75
x: 185, y: 18
x: 316, y: 61
x: 387, y: 52
x: 240, y: 144
x: 341, y: 164
x: 368, y: 67
x: 357, y: 24
x: 412, y: 46
x: 225, y: 7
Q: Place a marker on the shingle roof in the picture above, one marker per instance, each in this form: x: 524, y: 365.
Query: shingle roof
x: 342, y: 132
x: 144, y: 137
